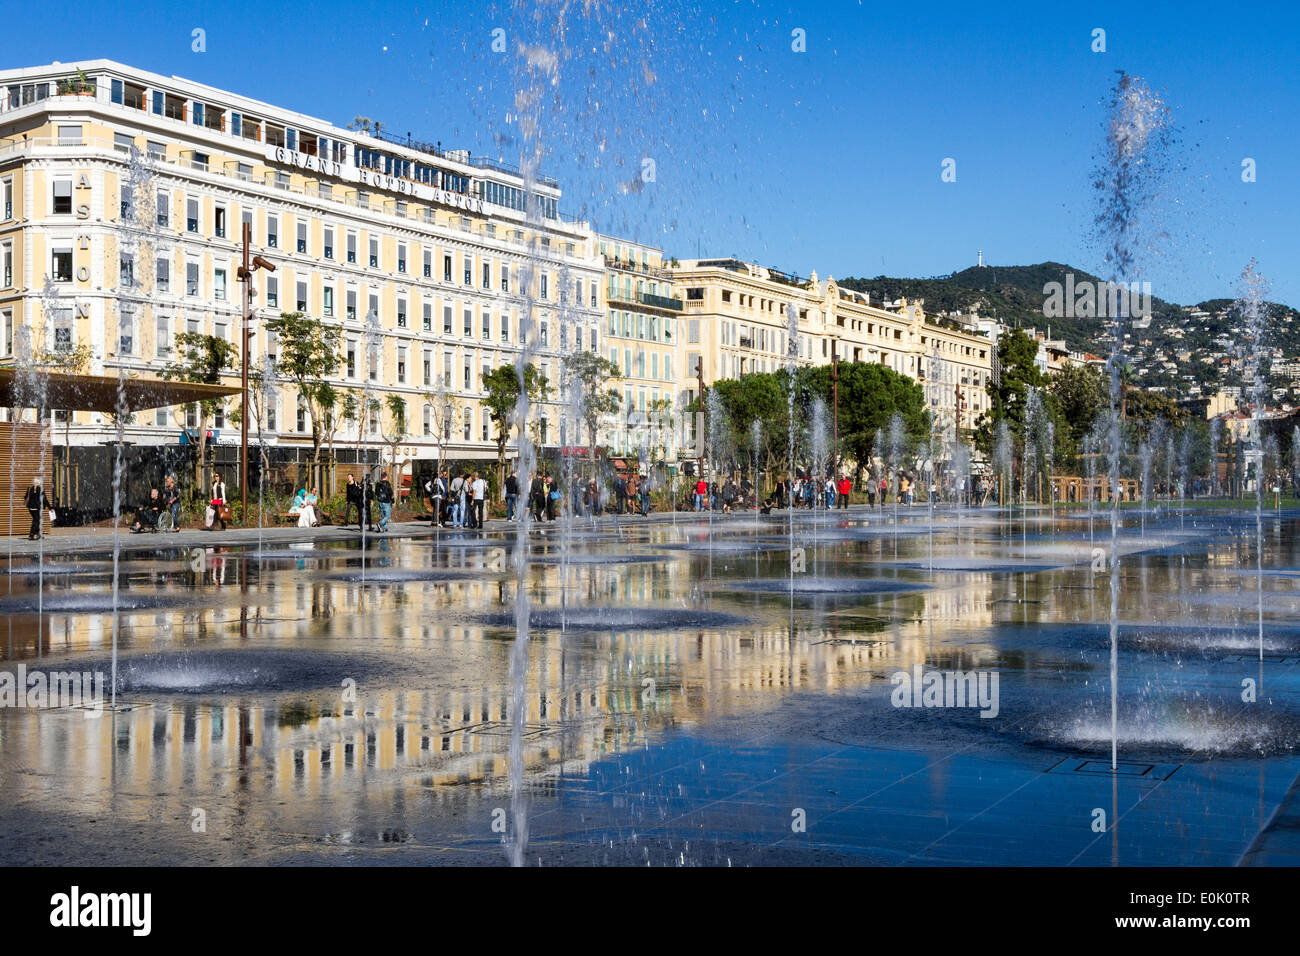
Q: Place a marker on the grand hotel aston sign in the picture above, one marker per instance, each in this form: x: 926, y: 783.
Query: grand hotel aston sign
x: 375, y: 180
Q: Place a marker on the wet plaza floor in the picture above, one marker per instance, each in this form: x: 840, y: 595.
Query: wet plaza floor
x: 311, y: 702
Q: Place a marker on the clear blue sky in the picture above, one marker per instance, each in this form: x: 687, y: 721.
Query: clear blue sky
x: 827, y: 159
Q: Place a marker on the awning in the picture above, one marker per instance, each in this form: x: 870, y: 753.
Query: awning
x: 99, y: 393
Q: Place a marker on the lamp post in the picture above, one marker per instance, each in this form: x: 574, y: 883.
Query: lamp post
x: 245, y: 276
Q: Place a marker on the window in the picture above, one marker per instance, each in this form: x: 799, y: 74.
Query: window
x: 352, y: 359
x: 545, y: 285
x: 162, y: 205
x: 543, y: 336
x: 70, y: 135
x: 401, y: 364
x: 352, y: 247
x: 329, y: 243
x: 350, y: 309
x: 446, y: 264
x: 6, y: 266
x: 401, y: 313
x: 124, y: 204
x: 246, y: 219
x: 7, y: 198
x: 192, y: 278
x: 487, y: 275
x: 446, y: 320
x: 300, y: 300
x: 126, y: 270
x: 219, y: 222
x: 219, y: 284
x: 505, y: 327
x: 487, y: 326
x: 62, y: 197
x: 374, y: 253
x: 273, y: 231
x: 61, y: 265
x: 469, y: 323
x: 469, y: 415
x: 505, y: 277
x: 272, y: 292
x: 327, y: 302
x: 468, y: 262
x: 272, y: 345
x: 428, y: 317
x: 191, y: 215
x: 428, y: 373
x: 401, y: 257
x: 428, y: 265
x: 302, y: 237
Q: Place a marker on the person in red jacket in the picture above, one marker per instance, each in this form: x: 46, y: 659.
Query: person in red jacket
x: 845, y: 487
x: 701, y: 494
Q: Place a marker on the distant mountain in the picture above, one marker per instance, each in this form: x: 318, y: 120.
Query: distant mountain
x: 1181, y: 345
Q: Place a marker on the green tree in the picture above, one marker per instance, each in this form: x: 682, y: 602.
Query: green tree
x: 396, y: 406
x: 1016, y: 355
x: 309, y: 352
x: 869, y: 396
x: 590, y: 375
x: 501, y: 388
x: 201, y: 360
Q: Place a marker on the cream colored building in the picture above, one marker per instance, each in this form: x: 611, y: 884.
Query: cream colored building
x: 642, y: 316
x: 122, y: 200
x: 737, y: 319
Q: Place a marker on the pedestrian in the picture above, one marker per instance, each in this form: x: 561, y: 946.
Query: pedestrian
x: 884, y: 490
x: 512, y: 494
x: 620, y: 493
x: 384, y: 497
x: 871, y: 490
x: 35, y: 502
x: 436, y: 487
x: 352, y: 499
x: 478, y: 489
x: 645, y: 499
x: 458, y: 489
x: 172, y: 501
x: 845, y: 487
x: 537, y: 496
x: 552, y: 498
x: 218, y: 507
x: 779, y: 492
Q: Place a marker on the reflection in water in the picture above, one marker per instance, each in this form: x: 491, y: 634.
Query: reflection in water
x: 298, y: 704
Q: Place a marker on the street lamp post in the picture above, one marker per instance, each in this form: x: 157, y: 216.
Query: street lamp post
x: 245, y: 276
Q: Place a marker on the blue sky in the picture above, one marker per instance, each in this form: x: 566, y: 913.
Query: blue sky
x: 825, y: 159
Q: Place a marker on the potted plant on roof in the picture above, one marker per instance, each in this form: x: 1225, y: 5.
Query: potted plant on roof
x: 79, y: 85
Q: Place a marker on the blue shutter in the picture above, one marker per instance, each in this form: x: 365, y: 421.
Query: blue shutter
x: 117, y: 91
x: 291, y: 139
x: 158, y: 102
x: 198, y: 113
x: 235, y: 124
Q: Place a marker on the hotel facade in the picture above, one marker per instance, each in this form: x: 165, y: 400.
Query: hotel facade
x: 123, y: 198
x: 124, y: 195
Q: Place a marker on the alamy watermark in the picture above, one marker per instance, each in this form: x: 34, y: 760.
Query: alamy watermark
x: 44, y: 690
x: 946, y: 689
x: 1087, y: 299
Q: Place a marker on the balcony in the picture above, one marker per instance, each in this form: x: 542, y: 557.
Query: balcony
x: 659, y: 301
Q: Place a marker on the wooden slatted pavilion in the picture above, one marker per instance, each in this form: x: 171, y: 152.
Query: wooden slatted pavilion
x: 55, y: 390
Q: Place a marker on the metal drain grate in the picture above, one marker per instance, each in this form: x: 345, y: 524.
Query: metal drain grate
x: 1141, y: 769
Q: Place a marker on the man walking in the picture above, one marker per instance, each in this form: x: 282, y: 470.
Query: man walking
x: 512, y: 494
x: 478, y: 488
x: 846, y: 486
x: 437, y: 489
x: 384, y: 495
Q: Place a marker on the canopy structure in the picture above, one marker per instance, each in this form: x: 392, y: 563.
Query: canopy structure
x: 99, y: 393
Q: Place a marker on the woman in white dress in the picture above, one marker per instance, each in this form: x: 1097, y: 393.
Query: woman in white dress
x: 308, y: 517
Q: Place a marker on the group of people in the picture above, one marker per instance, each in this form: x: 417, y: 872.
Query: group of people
x: 460, y: 502
x: 813, y: 492
x: 149, y: 516
x: 726, y: 497
x: 306, y: 505
x: 363, y: 496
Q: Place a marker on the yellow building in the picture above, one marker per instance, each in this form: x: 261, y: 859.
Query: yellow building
x: 641, y: 322
x: 124, y: 194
